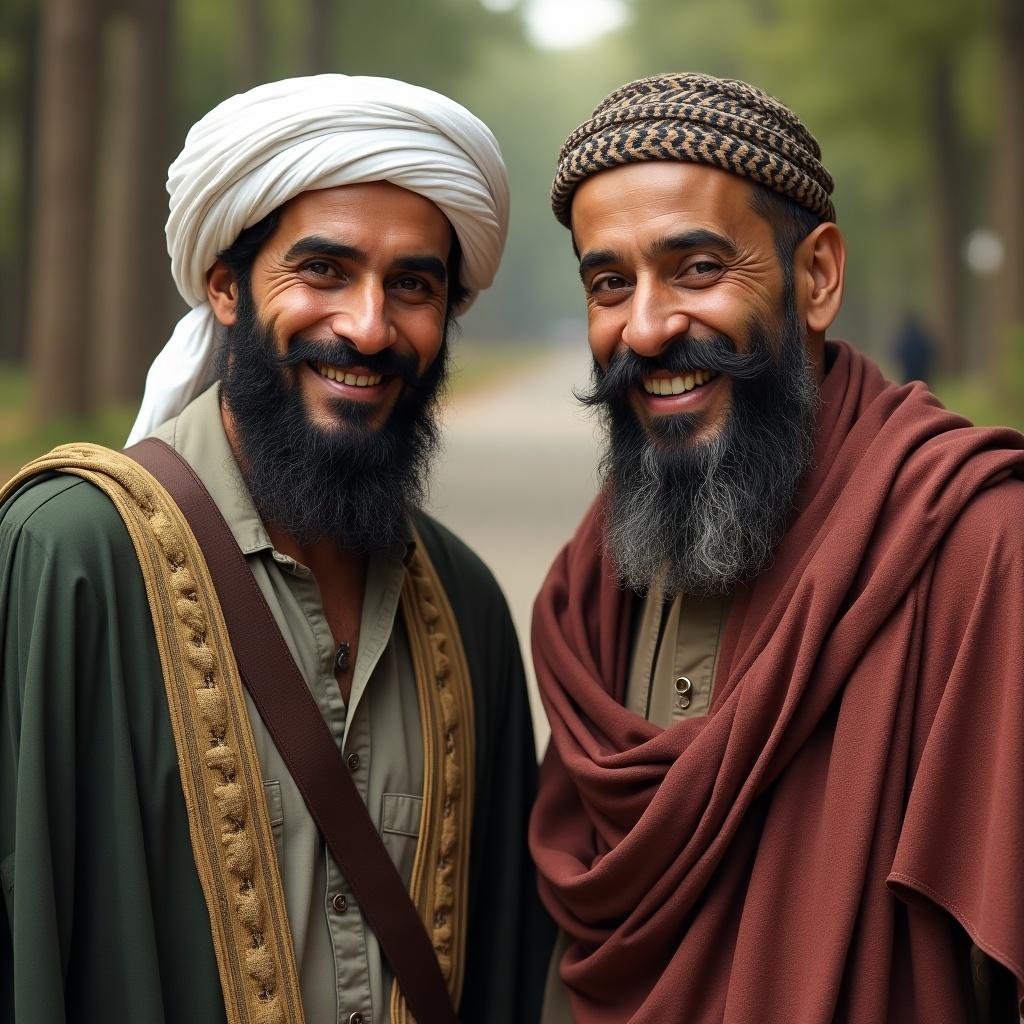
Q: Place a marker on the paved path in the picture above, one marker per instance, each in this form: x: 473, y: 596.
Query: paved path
x: 517, y: 474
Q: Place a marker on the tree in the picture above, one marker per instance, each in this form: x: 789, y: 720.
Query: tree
x: 317, y: 55
x: 1008, y: 163
x: 60, y: 280
x: 19, y: 24
x: 945, y: 141
x: 133, y: 317
x: 252, y: 41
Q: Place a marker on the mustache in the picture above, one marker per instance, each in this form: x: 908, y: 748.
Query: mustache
x: 716, y: 353
x: 345, y: 355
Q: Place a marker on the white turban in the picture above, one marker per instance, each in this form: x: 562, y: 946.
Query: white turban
x: 257, y: 150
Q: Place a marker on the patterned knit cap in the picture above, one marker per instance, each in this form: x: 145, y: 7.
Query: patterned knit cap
x: 698, y: 119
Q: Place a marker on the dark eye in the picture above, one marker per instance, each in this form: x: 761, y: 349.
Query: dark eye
x: 410, y: 288
x: 609, y: 283
x: 318, y: 268
x: 410, y: 284
x: 702, y: 268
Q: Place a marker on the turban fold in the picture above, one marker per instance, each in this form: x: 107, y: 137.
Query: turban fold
x: 255, y: 151
x: 697, y: 119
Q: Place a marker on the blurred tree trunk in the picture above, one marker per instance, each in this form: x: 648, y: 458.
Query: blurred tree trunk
x: 946, y: 143
x: 60, y: 282
x: 22, y: 104
x: 318, y: 53
x: 133, y: 317
x: 251, y: 43
x: 1008, y: 172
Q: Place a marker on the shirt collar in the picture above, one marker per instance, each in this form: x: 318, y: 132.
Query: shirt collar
x: 198, y: 435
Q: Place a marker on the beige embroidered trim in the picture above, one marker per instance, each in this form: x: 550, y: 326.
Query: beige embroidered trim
x: 227, y: 812
x: 440, y: 874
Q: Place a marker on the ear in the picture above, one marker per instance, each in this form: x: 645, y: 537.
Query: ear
x: 819, y: 264
x: 222, y: 292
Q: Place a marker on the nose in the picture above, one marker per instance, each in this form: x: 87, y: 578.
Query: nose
x: 654, y: 318
x: 363, y: 318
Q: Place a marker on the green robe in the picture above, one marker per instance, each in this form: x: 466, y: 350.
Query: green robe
x: 102, y: 917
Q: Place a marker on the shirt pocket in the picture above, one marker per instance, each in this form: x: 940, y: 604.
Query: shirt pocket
x: 275, y: 811
x: 400, y: 829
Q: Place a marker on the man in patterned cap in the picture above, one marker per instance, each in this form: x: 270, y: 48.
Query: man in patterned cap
x: 159, y: 858
x: 781, y: 656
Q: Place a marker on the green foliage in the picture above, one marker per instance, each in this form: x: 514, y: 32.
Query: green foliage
x: 428, y: 44
x: 985, y: 403
x: 22, y: 440
x: 205, y: 34
x: 856, y: 71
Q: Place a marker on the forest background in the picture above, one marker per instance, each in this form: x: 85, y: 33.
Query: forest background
x: 918, y: 106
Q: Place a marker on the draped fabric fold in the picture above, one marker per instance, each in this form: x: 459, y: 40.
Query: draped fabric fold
x: 734, y: 866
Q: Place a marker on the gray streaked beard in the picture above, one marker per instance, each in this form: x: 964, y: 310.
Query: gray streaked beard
x: 708, y: 515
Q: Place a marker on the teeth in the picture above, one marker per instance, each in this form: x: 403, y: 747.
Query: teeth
x: 358, y: 381
x: 677, y: 385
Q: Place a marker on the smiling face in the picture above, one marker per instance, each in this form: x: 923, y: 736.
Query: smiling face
x: 335, y: 357
x: 704, y: 368
x: 354, y: 279
x: 668, y: 251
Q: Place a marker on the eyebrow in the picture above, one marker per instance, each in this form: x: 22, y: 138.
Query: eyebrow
x: 423, y: 265
x: 317, y: 245
x: 699, y: 238
x: 598, y: 258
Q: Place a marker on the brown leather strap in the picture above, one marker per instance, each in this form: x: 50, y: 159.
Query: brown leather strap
x: 304, y: 741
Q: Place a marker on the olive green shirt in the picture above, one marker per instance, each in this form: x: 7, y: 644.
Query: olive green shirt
x: 675, y: 655
x: 338, y: 957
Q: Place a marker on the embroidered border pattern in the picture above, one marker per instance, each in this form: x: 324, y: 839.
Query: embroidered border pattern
x: 440, y: 875
x: 228, y: 821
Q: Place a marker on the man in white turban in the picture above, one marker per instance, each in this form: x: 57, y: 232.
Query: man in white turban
x: 325, y: 232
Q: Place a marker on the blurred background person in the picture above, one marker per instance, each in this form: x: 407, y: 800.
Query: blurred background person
x: 914, y: 350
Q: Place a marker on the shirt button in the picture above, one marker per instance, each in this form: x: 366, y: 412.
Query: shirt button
x: 339, y: 902
x: 356, y: 1018
x: 353, y: 763
x: 683, y: 688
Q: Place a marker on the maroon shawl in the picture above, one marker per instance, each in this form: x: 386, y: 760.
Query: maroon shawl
x: 800, y: 853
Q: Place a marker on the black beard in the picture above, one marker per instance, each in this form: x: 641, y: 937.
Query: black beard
x: 707, y: 515
x: 353, y: 483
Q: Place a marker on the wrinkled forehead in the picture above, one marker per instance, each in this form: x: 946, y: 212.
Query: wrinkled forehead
x: 636, y: 203
x: 374, y: 214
